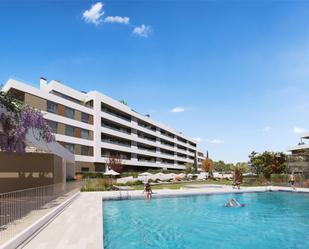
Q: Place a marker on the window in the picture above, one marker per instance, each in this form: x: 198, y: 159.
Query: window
x: 84, y: 134
x: 51, y: 107
x: 69, y: 113
x: 53, y: 126
x: 69, y: 130
x: 84, y: 169
x: 69, y: 147
x: 85, y: 150
x: 85, y: 117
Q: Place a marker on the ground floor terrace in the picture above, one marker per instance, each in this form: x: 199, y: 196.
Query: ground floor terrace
x: 80, y: 223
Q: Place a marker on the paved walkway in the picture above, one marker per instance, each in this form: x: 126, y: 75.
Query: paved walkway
x: 79, y: 226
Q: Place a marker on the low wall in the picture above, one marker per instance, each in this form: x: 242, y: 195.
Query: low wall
x: 28, y: 170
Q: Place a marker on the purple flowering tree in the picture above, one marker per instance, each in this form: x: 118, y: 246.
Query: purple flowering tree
x: 16, y: 120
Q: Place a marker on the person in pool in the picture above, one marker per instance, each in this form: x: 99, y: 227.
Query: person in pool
x: 233, y: 203
x: 148, y: 191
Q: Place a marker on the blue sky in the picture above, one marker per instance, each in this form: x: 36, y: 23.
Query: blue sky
x: 236, y: 72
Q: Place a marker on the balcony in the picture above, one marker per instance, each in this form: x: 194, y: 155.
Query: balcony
x: 109, y: 110
x: 298, y: 163
x: 115, y: 127
x: 105, y: 138
x: 110, y: 141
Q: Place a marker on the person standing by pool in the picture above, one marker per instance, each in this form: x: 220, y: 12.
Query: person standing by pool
x: 148, y: 191
x: 292, y: 180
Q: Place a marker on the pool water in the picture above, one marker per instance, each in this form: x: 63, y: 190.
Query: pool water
x: 269, y: 220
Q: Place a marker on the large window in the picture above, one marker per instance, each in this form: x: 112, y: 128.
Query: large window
x: 69, y: 147
x: 85, y: 150
x: 84, y: 134
x: 51, y: 107
x: 69, y: 130
x: 53, y: 125
x: 69, y: 112
x: 85, y: 117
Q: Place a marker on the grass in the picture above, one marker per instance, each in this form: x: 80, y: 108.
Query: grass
x: 178, y: 185
x: 104, y: 184
x: 98, y: 184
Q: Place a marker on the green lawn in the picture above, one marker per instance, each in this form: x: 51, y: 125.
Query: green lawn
x: 182, y: 184
x: 105, y: 184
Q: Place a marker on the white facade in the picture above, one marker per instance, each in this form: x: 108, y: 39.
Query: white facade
x: 302, y: 145
x: 116, y: 128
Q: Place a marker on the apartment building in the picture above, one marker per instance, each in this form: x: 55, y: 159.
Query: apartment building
x: 94, y: 126
x: 298, y: 160
x: 200, y: 157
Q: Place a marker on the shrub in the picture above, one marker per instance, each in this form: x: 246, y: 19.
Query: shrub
x: 279, y: 178
x: 92, y: 175
x: 96, y: 185
x: 126, y: 174
x: 138, y: 182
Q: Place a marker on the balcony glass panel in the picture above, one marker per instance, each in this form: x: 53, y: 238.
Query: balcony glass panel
x: 53, y: 126
x: 84, y: 134
x: 69, y: 112
x: 85, y: 117
x: 69, y: 130
x: 51, y: 107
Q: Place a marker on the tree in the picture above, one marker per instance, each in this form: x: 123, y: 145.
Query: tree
x: 242, y: 166
x: 267, y: 163
x: 207, y: 166
x: 189, y: 168
x: 114, y: 162
x: 16, y: 120
x: 221, y: 166
x: 238, y: 175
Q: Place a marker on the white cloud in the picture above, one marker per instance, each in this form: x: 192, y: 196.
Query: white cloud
x: 142, y: 30
x: 178, y: 109
x: 298, y: 130
x: 117, y: 19
x: 216, y: 141
x: 94, y: 14
x: 266, y: 129
x: 198, y: 139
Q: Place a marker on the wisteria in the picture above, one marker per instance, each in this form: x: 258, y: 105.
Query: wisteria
x: 16, y: 122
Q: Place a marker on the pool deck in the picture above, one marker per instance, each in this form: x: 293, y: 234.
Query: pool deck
x: 80, y: 226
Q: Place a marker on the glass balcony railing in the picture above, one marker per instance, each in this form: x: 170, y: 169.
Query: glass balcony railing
x: 116, y: 142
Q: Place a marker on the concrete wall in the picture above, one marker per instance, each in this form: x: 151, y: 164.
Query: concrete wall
x: 28, y: 170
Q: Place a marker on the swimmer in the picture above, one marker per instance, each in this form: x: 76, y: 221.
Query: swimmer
x: 234, y: 203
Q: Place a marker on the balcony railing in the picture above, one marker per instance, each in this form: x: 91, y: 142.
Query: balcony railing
x: 116, y: 129
x: 116, y: 142
x: 21, y: 208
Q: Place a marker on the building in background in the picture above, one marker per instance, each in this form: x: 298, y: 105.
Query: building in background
x: 94, y: 127
x: 298, y: 160
x: 200, y: 157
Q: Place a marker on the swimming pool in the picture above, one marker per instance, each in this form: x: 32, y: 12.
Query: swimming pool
x: 269, y: 220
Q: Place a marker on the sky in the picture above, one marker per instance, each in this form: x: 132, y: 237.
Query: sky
x: 234, y: 75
